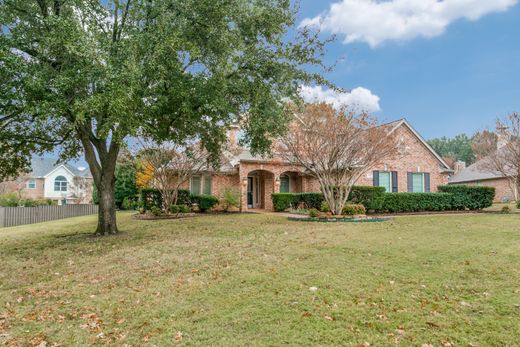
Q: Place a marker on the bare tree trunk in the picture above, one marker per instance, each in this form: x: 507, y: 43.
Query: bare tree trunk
x: 107, y: 223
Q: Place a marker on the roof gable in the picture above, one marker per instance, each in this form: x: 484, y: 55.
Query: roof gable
x: 404, y: 122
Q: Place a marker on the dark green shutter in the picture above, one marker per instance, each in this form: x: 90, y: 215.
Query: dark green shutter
x: 375, y: 177
x: 394, y: 182
x: 426, y: 182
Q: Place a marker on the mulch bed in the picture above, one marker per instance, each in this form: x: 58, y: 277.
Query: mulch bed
x: 164, y: 216
x: 338, y: 219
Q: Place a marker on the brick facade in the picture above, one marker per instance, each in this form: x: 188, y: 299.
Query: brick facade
x: 415, y: 157
x: 503, y: 191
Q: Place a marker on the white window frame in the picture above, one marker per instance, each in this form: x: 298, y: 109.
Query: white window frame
x: 30, y: 182
x: 423, y: 182
x: 202, y: 181
x: 390, y: 180
x: 61, y: 184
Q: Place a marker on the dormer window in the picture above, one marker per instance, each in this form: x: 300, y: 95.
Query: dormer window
x: 60, y: 184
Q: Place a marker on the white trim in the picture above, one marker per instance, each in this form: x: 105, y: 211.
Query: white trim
x: 423, y: 141
x: 57, y: 167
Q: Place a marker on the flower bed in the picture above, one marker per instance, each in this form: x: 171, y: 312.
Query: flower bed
x: 149, y: 216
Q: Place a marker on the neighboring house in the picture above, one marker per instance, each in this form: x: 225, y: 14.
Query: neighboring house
x: 475, y: 175
x: 62, y: 183
x: 418, y: 169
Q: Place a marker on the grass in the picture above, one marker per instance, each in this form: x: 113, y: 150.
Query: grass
x: 246, y: 280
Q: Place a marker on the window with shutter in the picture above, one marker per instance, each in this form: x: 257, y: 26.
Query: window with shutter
x: 195, y: 185
x: 385, y: 180
x: 207, y: 185
x: 418, y: 183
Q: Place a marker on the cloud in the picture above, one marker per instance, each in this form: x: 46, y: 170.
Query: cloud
x: 357, y: 100
x: 375, y: 21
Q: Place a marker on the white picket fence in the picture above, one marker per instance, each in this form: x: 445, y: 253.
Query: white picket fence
x: 12, y: 216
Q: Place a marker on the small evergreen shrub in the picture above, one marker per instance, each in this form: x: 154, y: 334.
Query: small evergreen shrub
x: 371, y: 197
x: 353, y: 209
x: 518, y: 204
x: 156, y: 211
x: 205, y: 202
x: 325, y: 207
x: 505, y: 209
x: 469, y: 197
x: 314, y: 213
x: 282, y: 201
x: 175, y: 209
x: 184, y: 209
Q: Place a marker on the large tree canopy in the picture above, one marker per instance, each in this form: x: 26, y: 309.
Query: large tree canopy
x: 84, y: 75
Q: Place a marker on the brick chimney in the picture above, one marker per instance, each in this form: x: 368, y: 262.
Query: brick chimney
x: 458, y: 166
x: 233, y: 135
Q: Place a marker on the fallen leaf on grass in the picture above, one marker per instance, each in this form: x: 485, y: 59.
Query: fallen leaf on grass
x: 178, y: 336
x: 433, y: 325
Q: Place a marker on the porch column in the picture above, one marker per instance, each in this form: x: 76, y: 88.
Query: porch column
x: 243, y: 192
x: 272, y: 185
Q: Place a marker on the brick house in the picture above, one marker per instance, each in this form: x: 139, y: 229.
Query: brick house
x: 255, y: 178
x: 62, y: 183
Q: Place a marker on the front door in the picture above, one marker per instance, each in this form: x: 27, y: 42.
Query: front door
x: 250, y: 192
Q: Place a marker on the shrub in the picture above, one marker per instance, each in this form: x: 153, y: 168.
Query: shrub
x: 470, y: 197
x: 505, y: 209
x: 156, y: 211
x: 175, y: 209
x: 230, y: 198
x: 310, y: 200
x: 127, y: 204
x: 152, y: 197
x: 370, y: 197
x: 352, y: 209
x: 205, y: 202
x: 518, y: 204
x: 313, y: 213
x: 282, y: 201
x: 184, y: 208
x: 9, y: 200
x: 416, y: 202
x: 325, y: 207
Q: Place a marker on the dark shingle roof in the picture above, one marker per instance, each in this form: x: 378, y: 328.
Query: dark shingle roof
x: 42, y: 166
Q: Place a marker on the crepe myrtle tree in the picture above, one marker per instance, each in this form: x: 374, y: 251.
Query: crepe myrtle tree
x: 337, y: 147
x: 81, y: 77
x: 500, y: 151
x: 171, y: 166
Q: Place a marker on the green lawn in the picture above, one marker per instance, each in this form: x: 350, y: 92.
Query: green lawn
x: 245, y: 280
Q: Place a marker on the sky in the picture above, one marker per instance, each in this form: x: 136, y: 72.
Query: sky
x: 448, y: 67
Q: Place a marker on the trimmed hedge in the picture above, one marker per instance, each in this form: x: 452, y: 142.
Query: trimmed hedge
x: 416, y: 202
x: 152, y: 197
x: 205, y: 202
x: 310, y: 200
x: 370, y: 197
x: 282, y: 201
x: 470, y: 197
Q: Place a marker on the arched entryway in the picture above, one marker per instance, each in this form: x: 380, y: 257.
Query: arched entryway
x: 259, y: 187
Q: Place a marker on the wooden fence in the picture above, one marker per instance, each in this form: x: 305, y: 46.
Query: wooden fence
x: 11, y: 216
